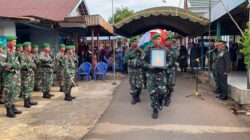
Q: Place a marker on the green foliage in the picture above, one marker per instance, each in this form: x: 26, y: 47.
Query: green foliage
x: 120, y: 14
x: 245, y: 42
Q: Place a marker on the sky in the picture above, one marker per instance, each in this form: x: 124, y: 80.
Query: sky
x: 104, y: 7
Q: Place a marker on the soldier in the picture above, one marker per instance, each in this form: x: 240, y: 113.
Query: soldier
x: 47, y: 70
x: 19, y: 53
x: 223, y: 67
x: 69, y: 72
x: 214, y: 57
x: 60, y: 69
x: 38, y: 76
x: 27, y: 66
x: 76, y: 60
x: 144, y: 70
x: 157, y: 76
x: 2, y: 55
x: 170, y: 71
x: 133, y: 59
x: 10, y: 65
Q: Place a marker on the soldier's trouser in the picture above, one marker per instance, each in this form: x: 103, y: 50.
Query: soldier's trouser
x: 60, y: 76
x: 26, y: 83
x: 135, y: 85
x: 47, y: 81
x: 32, y: 83
x: 68, y: 84
x: 144, y: 75
x: 38, y: 78
x: 215, y: 76
x: 223, y: 84
x: 157, y: 88
x: 9, y: 94
x: 18, y: 84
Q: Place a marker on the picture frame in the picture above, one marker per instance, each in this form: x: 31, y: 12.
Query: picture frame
x: 158, y: 58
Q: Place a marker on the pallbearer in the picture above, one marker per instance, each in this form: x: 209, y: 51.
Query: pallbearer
x: 60, y: 69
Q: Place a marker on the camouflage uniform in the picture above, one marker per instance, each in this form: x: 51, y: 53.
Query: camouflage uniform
x: 47, y: 73
x: 171, y: 77
x: 27, y: 65
x: 214, y: 57
x: 60, y: 69
x: 133, y: 59
x: 18, y: 73
x: 144, y: 70
x: 11, y: 87
x: 2, y: 58
x: 37, y: 73
x: 156, y: 78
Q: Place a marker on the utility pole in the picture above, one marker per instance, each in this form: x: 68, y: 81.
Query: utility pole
x: 114, y: 44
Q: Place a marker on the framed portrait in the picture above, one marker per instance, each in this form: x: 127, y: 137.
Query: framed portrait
x: 158, y: 58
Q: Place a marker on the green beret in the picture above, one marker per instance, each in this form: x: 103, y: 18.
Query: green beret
x: 11, y: 38
x: 34, y: 46
x: 173, y: 40
x: 145, y: 45
x: 1, y: 45
x: 156, y: 35
x: 19, y: 45
x: 133, y: 39
x: 169, y: 37
x: 62, y: 46
x: 70, y: 47
x: 26, y: 44
x: 46, y: 45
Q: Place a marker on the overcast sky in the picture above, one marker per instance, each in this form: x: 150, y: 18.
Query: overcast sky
x: 104, y: 7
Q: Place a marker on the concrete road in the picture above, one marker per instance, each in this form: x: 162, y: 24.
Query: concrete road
x: 186, y: 118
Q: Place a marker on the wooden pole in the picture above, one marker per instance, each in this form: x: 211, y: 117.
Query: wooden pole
x: 98, y: 46
x: 92, y: 45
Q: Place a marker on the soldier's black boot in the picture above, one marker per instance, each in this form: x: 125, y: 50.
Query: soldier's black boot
x: 51, y: 95
x: 37, y: 89
x: 155, y: 113
x: 15, y: 110
x: 138, y: 99
x: 160, y: 104
x: 61, y: 89
x: 46, y: 95
x: 31, y: 102
x: 133, y: 102
x: 26, y: 103
x: 67, y: 97
x: 167, y: 101
x: 72, y: 97
x: 10, y: 113
x: 1, y: 102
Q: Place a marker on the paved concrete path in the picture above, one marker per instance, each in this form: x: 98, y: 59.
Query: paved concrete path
x: 186, y: 118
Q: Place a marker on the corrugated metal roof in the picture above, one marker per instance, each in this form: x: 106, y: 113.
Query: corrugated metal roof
x: 55, y: 10
x: 202, y: 3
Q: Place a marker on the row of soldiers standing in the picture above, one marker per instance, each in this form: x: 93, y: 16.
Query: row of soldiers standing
x: 159, y: 81
x: 23, y: 69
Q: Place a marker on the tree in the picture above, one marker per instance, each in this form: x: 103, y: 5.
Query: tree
x: 120, y: 14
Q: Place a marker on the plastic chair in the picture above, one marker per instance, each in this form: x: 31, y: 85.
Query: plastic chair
x: 100, y: 69
x: 84, y: 69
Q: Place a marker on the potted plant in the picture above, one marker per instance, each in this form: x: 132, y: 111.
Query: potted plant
x: 245, y: 42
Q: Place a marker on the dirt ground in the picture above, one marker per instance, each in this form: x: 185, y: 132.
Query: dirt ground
x: 56, y: 118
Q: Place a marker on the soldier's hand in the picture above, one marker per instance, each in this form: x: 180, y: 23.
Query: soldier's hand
x: 33, y: 65
x: 7, y: 67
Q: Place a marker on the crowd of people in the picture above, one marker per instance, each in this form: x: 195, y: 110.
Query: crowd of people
x: 23, y: 69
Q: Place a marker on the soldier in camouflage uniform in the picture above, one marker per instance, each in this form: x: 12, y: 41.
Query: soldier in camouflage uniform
x: 10, y: 64
x: 47, y: 70
x: 19, y: 53
x: 38, y: 75
x: 27, y: 66
x: 69, y: 72
x: 214, y: 57
x: 133, y: 59
x: 76, y: 60
x: 60, y: 69
x: 144, y: 70
x: 2, y: 53
x: 170, y: 71
x: 156, y: 76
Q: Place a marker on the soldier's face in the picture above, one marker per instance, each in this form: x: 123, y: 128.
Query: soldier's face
x: 46, y: 49
x: 168, y: 42
x: 134, y: 44
x: 20, y: 49
x: 70, y: 51
x: 35, y: 50
x: 12, y: 43
x: 1, y: 48
x: 157, y: 41
x: 62, y: 49
x: 28, y: 49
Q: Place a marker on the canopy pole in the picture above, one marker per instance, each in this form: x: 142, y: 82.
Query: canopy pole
x: 92, y: 45
x: 98, y: 46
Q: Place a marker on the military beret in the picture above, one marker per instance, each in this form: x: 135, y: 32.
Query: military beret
x: 19, y: 45
x: 46, y: 45
x: 11, y: 38
x: 62, y: 46
x: 156, y: 35
x: 147, y: 44
x: 133, y: 38
x: 1, y: 45
x: 26, y: 44
x: 169, y: 37
x: 34, y: 46
x: 173, y: 40
x: 70, y: 47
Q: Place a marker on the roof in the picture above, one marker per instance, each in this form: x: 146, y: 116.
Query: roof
x: 202, y: 3
x: 170, y: 18
x: 55, y: 10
